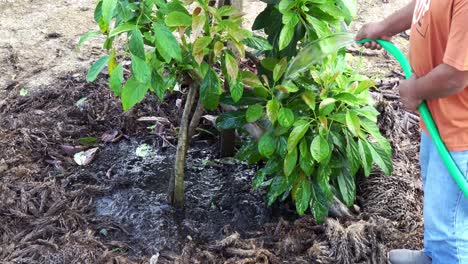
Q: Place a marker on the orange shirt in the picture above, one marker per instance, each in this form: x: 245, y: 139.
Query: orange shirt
x: 439, y: 34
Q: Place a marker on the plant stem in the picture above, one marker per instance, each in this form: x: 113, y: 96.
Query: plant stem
x: 196, y: 118
x: 176, y: 184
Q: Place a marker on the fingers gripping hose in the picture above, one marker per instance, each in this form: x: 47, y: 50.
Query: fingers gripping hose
x: 427, y: 118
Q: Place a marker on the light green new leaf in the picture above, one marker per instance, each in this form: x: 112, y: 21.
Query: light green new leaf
x: 286, y: 5
x: 178, y: 19
x: 166, y: 43
x: 296, y: 135
x: 286, y: 117
x: 280, y: 69
x: 327, y: 106
x: 210, y: 90
x: 267, y: 145
x: 140, y: 70
x: 353, y: 123
x: 366, y: 157
x: 237, y: 90
x: 97, y: 67
x: 349, y: 8
x: 272, y: 109
x: 303, y: 193
x: 368, y: 112
x: 116, y: 80
x: 254, y: 112
x: 319, y: 148
x: 309, y: 99
x: 201, y: 43
x: 290, y: 162
x: 136, y: 45
x: 287, y: 34
x: 87, y: 36
x: 133, y: 92
x: 232, y: 66
x: 321, y: 28
x: 108, y: 8
x: 122, y: 28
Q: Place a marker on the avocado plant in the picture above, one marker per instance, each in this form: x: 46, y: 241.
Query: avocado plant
x: 319, y: 129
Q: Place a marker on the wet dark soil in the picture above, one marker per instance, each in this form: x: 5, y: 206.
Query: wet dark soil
x: 219, y: 197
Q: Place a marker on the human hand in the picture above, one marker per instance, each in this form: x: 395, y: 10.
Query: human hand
x: 374, y: 30
x: 408, y: 96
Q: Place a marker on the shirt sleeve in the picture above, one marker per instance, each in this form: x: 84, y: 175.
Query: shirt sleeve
x: 456, y: 52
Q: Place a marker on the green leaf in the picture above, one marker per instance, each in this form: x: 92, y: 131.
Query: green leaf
x: 289, y: 87
x: 296, y: 135
x: 136, y: 44
x: 210, y: 90
x: 108, y: 8
x: 373, y: 130
x: 303, y: 193
x: 133, y: 92
x: 267, y: 145
x: 321, y: 28
x: 227, y: 11
x: 309, y: 99
x: 287, y: 34
x: 250, y: 79
x: 319, y: 148
x: 237, y: 90
x: 116, y: 80
x: 231, y: 120
x: 352, y: 154
x: 281, y: 145
x: 122, y: 28
x: 349, y: 8
x: 272, y: 109
x: 178, y: 19
x: 232, y: 66
x: 140, y: 70
x: 286, y: 5
x: 319, y: 203
x: 159, y: 85
x: 346, y: 185
x: 347, y: 98
x: 353, y: 123
x: 290, y: 162
x: 285, y: 117
x: 366, y: 157
x: 305, y: 160
x: 280, y: 69
x: 254, y: 112
x: 381, y: 158
x: 166, y: 43
x: 368, y: 112
x: 327, y: 106
x: 332, y: 10
x: 363, y: 86
x: 249, y: 152
x: 97, y: 67
x: 201, y: 43
x: 278, y: 186
x: 258, y: 43
x: 87, y: 36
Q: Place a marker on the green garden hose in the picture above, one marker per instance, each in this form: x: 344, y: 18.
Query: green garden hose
x: 427, y: 118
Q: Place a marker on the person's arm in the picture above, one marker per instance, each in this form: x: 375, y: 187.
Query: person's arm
x: 442, y: 81
x: 398, y: 22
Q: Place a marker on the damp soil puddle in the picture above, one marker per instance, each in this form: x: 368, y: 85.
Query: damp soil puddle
x: 219, y: 197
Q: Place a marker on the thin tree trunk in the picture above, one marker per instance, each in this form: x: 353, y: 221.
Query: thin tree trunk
x: 176, y: 184
x: 196, y: 118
